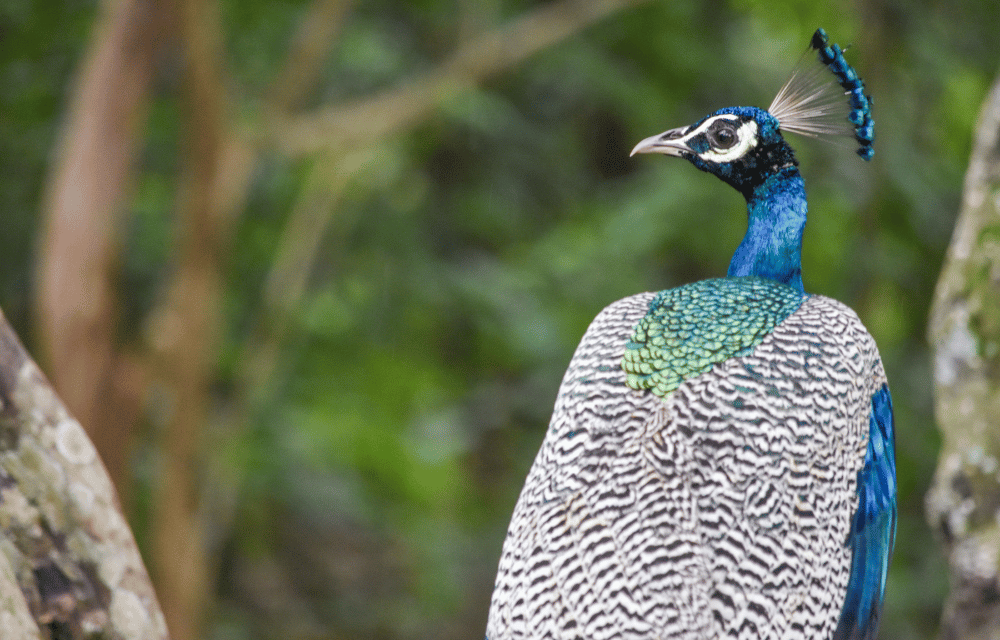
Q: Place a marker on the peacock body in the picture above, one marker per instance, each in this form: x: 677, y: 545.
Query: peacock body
x: 720, y: 462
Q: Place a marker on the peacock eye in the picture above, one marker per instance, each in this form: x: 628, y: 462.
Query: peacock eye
x: 724, y: 137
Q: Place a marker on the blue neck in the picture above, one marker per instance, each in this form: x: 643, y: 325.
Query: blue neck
x: 772, y: 247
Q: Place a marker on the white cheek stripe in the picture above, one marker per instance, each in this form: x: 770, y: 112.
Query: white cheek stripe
x: 746, y: 134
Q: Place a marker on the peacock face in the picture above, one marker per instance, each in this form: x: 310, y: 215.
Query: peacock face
x: 741, y: 145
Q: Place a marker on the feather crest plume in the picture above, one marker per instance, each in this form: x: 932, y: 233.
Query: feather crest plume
x: 811, y: 103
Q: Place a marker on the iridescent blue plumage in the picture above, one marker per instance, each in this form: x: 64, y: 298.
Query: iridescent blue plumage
x: 833, y: 57
x: 720, y: 460
x: 768, y: 178
x: 776, y: 219
x: 873, y: 529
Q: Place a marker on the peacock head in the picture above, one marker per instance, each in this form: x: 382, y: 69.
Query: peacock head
x: 744, y: 145
x: 740, y: 145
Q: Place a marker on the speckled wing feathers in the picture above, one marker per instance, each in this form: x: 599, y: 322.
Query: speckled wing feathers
x: 722, y: 510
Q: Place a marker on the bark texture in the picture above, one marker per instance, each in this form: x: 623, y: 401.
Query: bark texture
x: 69, y: 566
x: 963, y: 505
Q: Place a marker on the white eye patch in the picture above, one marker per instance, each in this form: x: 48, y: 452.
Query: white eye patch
x: 728, y: 138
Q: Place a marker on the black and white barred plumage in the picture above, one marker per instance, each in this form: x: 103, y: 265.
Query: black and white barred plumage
x: 722, y: 512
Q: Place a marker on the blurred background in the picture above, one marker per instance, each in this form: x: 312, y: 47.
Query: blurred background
x: 310, y: 271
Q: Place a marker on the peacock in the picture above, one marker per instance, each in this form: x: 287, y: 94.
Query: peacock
x: 720, y: 461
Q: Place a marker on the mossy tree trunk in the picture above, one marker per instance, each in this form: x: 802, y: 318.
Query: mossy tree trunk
x: 69, y: 566
x: 963, y: 505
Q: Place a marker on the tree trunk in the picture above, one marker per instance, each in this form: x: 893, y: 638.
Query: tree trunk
x: 963, y: 505
x: 69, y: 566
x: 78, y: 248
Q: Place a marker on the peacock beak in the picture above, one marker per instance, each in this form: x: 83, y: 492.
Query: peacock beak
x: 670, y: 143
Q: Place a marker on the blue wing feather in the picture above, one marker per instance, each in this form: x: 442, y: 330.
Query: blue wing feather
x: 873, y: 530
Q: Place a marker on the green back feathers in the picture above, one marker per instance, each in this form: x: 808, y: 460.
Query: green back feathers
x: 692, y: 327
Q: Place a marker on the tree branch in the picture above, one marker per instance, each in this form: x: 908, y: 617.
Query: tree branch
x: 318, y: 28
x: 76, y: 299
x: 188, y: 327
x: 370, y: 119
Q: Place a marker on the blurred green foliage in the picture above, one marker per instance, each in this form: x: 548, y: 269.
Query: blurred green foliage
x: 466, y: 260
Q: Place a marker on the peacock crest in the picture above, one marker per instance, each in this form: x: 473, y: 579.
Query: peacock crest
x: 811, y: 104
